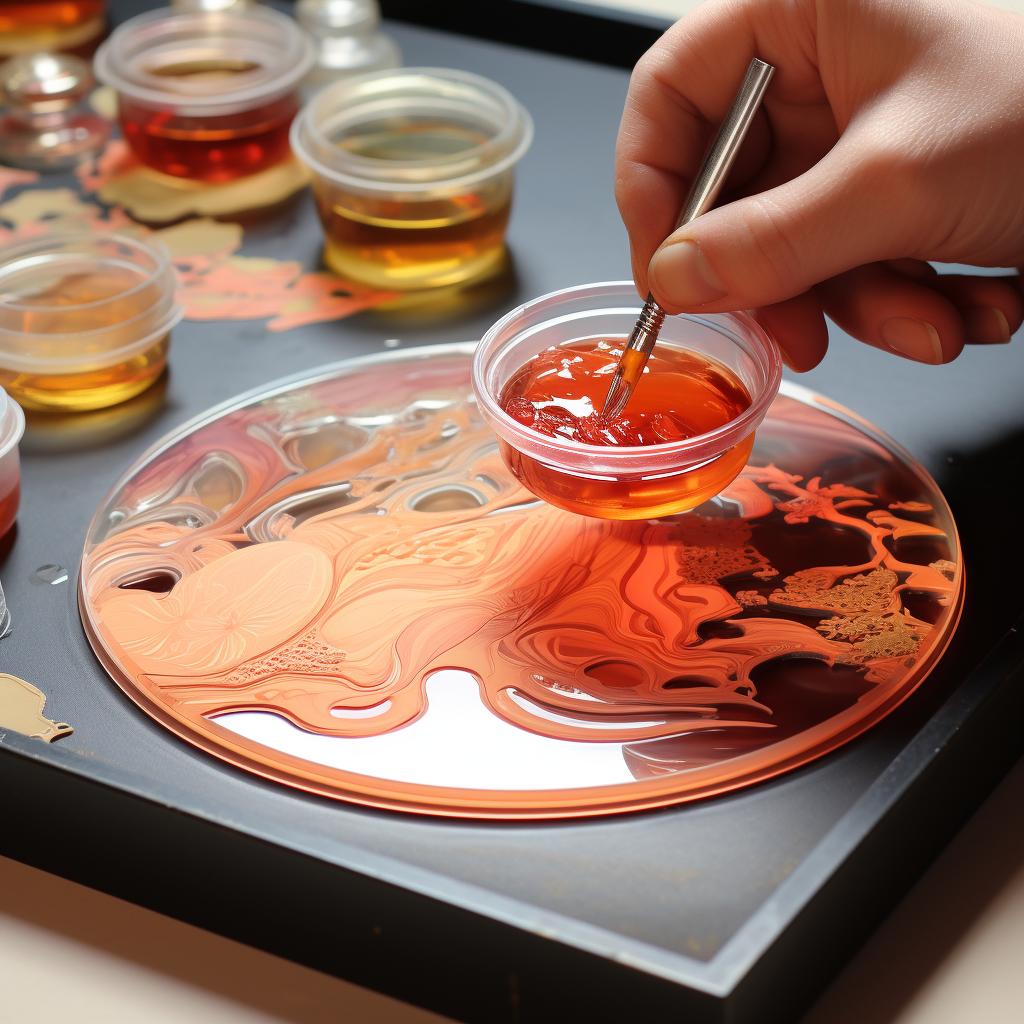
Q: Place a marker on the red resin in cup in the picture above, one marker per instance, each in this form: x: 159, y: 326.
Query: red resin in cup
x: 12, y: 426
x: 36, y: 26
x: 541, y: 375
x: 207, y: 96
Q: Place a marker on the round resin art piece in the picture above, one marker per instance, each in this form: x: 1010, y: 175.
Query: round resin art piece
x: 336, y: 584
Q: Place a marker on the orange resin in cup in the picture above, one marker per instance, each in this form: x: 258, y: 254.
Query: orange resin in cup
x: 32, y: 26
x: 541, y: 375
x: 560, y: 392
x: 26, y: 14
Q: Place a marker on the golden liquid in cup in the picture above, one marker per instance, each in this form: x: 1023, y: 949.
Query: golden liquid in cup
x: 76, y: 303
x: 414, y: 240
x: 88, y: 389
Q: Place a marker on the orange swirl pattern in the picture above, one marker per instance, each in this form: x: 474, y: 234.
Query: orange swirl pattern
x: 317, y: 555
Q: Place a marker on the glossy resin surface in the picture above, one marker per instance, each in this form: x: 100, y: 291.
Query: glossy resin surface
x: 337, y: 584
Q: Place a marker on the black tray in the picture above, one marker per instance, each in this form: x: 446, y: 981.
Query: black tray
x: 735, y: 909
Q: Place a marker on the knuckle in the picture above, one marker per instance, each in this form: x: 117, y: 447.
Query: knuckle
x: 896, y: 173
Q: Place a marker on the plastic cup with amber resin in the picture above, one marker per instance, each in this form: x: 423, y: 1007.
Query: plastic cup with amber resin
x: 207, y: 95
x: 34, y: 26
x: 413, y: 174
x: 728, y: 353
x: 85, y: 320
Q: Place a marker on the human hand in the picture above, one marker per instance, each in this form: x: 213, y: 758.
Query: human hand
x: 891, y: 134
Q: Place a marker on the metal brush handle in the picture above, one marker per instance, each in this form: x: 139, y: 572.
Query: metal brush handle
x: 703, y: 192
x: 722, y: 155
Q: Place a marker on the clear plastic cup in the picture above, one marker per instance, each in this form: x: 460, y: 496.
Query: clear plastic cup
x: 207, y: 95
x: 85, y: 320
x: 624, y: 482
x: 413, y: 174
x: 12, y: 426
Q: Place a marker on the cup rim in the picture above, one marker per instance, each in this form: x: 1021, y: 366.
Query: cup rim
x: 305, y: 135
x: 12, y: 423
x: 634, y: 458
x: 41, y: 246
x: 295, y: 56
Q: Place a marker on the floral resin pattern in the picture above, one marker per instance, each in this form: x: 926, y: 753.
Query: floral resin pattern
x: 216, y: 282
x: 338, y: 585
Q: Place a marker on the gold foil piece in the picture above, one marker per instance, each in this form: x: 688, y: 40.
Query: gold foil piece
x: 21, y: 710
x: 41, y: 211
x: 196, y: 245
x: 119, y: 180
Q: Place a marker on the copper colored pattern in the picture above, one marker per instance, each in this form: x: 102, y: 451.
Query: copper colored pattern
x: 215, y: 282
x: 338, y: 585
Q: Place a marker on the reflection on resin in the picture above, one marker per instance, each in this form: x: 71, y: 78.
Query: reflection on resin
x: 307, y: 585
x: 560, y: 393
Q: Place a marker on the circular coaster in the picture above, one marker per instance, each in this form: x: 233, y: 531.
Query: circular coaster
x: 335, y: 583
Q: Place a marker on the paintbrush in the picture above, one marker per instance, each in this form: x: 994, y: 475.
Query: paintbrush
x: 712, y: 174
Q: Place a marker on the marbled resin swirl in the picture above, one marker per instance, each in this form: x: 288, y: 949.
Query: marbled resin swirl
x: 302, y: 584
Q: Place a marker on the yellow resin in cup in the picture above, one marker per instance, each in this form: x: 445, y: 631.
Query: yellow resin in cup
x: 413, y: 174
x: 85, y: 320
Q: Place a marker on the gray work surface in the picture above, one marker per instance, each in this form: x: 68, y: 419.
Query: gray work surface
x: 681, y: 881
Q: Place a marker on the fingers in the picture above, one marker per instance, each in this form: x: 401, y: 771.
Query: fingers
x: 905, y: 307
x: 894, y: 312
x: 682, y: 88
x: 842, y: 213
x: 992, y: 307
x: 798, y: 326
x: 917, y: 269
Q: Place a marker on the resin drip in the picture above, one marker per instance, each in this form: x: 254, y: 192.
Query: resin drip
x: 559, y: 393
x: 318, y: 555
x: 207, y: 148
x: 74, y: 303
x: 418, y: 240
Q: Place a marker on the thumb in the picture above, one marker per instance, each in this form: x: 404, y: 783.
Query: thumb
x: 769, y: 247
